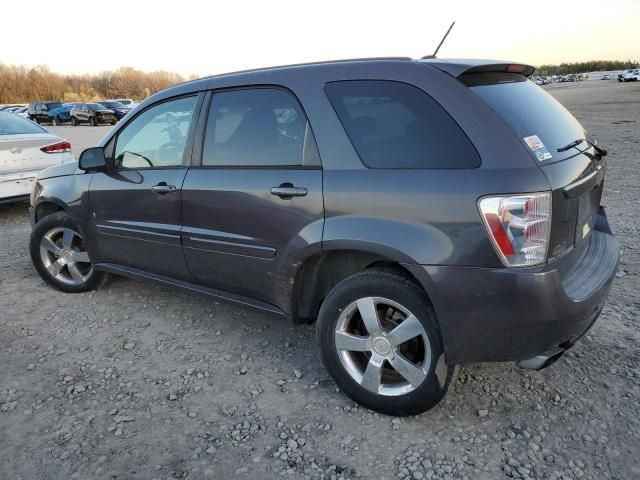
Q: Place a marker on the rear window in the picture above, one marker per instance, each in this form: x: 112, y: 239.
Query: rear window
x: 396, y: 125
x: 529, y: 111
x: 11, y: 124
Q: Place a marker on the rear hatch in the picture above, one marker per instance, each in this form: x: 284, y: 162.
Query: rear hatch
x: 558, y: 145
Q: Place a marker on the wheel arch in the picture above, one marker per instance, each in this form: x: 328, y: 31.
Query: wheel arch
x: 47, y: 207
x: 319, y: 273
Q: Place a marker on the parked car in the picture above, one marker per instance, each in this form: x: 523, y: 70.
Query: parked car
x: 622, y: 74
x: 61, y: 114
x: 632, y: 76
x: 605, y: 76
x: 21, y: 112
x: 127, y: 102
x: 25, y: 149
x: 92, y: 113
x: 39, y: 111
x: 5, y: 108
x: 426, y: 213
x: 118, y: 108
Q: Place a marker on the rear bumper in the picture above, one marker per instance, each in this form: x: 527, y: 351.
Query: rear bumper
x: 489, y: 315
x: 16, y: 185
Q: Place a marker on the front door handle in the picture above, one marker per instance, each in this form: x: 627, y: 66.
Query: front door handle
x: 162, y: 188
x: 287, y: 191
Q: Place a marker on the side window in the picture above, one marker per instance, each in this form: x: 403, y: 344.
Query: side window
x: 396, y: 125
x: 156, y: 137
x: 258, y: 127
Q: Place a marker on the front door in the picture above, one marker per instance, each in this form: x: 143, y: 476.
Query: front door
x: 254, y: 206
x: 136, y: 204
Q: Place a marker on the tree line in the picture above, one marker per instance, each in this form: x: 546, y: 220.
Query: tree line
x: 21, y: 84
x: 584, y: 67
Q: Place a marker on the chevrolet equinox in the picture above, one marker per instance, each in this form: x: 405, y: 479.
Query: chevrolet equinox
x: 427, y: 213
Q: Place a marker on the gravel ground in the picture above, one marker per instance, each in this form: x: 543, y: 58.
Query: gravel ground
x: 137, y: 381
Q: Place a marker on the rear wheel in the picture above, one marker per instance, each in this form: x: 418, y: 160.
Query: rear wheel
x: 74, y: 121
x: 58, y: 253
x: 380, y: 342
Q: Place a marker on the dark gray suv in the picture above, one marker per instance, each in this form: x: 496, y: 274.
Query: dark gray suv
x: 427, y: 213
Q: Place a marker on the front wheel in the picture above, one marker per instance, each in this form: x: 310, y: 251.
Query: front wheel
x: 55, y: 122
x: 380, y: 342
x: 58, y: 253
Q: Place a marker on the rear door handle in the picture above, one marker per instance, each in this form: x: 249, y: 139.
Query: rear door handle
x: 162, y: 188
x: 287, y: 191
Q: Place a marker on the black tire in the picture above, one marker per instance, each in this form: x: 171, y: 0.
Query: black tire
x: 93, y: 122
x: 74, y: 121
x: 398, y: 288
x: 54, y: 122
x: 93, y: 281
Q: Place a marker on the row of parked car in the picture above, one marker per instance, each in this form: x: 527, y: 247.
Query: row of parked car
x: 58, y: 113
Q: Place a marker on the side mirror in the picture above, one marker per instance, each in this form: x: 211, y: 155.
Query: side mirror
x: 92, y: 159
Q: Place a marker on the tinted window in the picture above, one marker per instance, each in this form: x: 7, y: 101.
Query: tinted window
x: 396, y: 125
x: 157, y: 137
x: 255, y: 127
x: 529, y: 110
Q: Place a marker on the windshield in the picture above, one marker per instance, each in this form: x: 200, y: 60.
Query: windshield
x: 95, y: 106
x: 538, y: 119
x: 14, y: 125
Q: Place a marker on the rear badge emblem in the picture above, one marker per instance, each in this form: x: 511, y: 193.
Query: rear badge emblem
x: 15, y: 149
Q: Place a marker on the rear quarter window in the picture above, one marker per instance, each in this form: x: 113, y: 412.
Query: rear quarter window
x: 396, y: 125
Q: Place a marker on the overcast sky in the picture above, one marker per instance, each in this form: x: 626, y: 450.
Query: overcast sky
x: 207, y: 37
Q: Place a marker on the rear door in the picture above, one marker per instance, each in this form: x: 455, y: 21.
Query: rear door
x: 254, y: 203
x: 136, y: 205
x: 558, y: 144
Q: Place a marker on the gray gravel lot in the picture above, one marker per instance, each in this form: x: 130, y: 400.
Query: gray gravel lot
x: 137, y: 381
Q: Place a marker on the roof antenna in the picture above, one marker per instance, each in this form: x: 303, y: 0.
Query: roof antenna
x: 440, y: 44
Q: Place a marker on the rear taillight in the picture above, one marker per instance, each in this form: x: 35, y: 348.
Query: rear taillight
x: 57, y: 148
x: 519, y: 226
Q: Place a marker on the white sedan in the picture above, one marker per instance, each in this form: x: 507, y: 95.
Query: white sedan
x: 25, y: 149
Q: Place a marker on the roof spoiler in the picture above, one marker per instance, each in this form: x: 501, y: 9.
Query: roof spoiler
x: 457, y: 67
x: 520, y: 68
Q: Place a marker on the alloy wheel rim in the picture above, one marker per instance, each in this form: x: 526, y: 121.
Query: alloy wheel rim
x: 63, y: 255
x: 383, y: 346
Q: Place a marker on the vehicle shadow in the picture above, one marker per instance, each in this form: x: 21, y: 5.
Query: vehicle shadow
x: 16, y: 209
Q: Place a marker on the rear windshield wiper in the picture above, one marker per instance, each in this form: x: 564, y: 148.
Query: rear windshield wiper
x: 601, y: 151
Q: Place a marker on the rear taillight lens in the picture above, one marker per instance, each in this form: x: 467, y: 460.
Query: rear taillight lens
x: 57, y: 148
x: 519, y: 226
